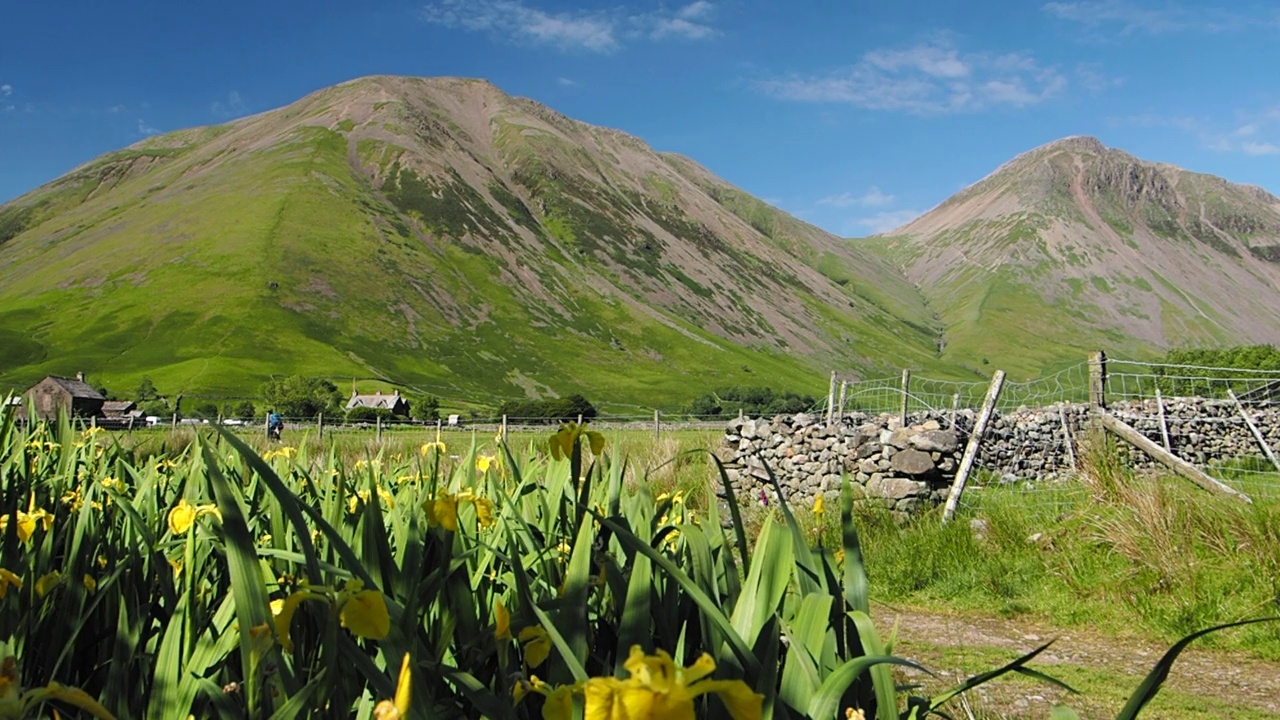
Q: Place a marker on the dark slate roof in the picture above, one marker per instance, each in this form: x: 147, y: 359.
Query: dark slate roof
x: 77, y: 388
x: 375, y: 401
x: 120, y: 406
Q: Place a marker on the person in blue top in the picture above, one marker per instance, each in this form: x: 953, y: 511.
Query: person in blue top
x: 275, y: 425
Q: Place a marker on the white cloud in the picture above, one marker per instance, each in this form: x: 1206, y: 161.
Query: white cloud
x: 571, y: 30
x: 515, y: 21
x: 871, y: 198
x: 232, y: 106
x: 1127, y: 17
x: 930, y: 78
x: 6, y: 90
x: 688, y: 23
x: 886, y: 221
x: 565, y: 82
x: 1260, y: 148
x: 146, y: 129
x: 115, y: 109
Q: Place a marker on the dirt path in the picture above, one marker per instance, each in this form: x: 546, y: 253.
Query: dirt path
x: 1204, y: 683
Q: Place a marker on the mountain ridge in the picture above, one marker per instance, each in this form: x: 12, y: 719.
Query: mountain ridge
x: 355, y: 228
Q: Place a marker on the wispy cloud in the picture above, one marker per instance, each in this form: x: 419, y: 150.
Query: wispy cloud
x: 1129, y: 17
x: 231, y: 106
x: 115, y: 109
x: 1252, y: 132
x: 145, y: 128
x: 873, y: 197
x: 577, y: 30
x: 6, y: 90
x: 883, y: 222
x: 1260, y: 148
x: 690, y: 22
x: 565, y: 82
x: 929, y: 78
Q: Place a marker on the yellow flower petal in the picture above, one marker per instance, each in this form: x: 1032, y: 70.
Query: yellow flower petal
x: 559, y: 704
x: 484, y: 511
x: 48, y: 582
x: 742, y: 702
x: 89, y: 583
x: 537, y: 645
x: 502, y: 620
x: 818, y: 505
x: 182, y: 517
x: 443, y: 511
x: 483, y: 462
x: 8, y: 578
x: 365, y: 615
x: 597, y: 442
x: 398, y: 708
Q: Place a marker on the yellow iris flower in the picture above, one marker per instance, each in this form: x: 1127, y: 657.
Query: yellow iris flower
x: 398, y: 708
x: 537, y: 645
x: 502, y: 618
x: 17, y: 703
x: 484, y: 462
x: 569, y: 435
x: 658, y: 688
x: 559, y: 698
x: 362, y: 612
x: 184, y: 515
x: 819, y: 505
x: 7, y: 578
x: 442, y: 510
x: 48, y: 582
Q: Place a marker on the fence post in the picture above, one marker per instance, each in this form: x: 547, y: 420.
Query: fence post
x: 955, y: 408
x: 504, y: 426
x: 1257, y: 434
x: 320, y: 427
x: 1168, y: 459
x: 1097, y: 380
x: 844, y: 388
x: 971, y: 449
x: 378, y: 429
x: 906, y: 388
x: 1164, y: 425
x: 175, y: 422
x: 1066, y: 437
x: 657, y: 425
x: 831, y: 398
x: 266, y: 426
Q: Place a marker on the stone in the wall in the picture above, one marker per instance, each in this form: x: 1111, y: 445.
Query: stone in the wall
x: 913, y: 462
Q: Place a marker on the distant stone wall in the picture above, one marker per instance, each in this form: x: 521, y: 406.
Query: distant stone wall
x: 908, y: 468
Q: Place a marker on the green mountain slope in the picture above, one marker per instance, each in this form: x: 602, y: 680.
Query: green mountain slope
x: 1074, y: 246
x: 438, y: 234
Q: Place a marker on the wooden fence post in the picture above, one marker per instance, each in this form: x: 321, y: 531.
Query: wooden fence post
x: 955, y: 408
x: 1127, y: 433
x: 1164, y: 425
x: 320, y: 427
x: 971, y: 449
x: 378, y: 429
x: 831, y: 398
x: 844, y: 389
x: 1066, y: 437
x: 1257, y: 434
x: 1097, y: 380
x: 906, y: 388
x: 504, y: 426
x: 657, y: 425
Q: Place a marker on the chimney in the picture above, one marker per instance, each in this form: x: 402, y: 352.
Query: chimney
x: 80, y: 376
x: 397, y: 392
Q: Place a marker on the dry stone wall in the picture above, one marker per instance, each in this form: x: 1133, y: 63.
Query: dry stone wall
x: 906, y: 468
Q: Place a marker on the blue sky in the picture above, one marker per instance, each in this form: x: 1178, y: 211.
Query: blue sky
x: 853, y: 115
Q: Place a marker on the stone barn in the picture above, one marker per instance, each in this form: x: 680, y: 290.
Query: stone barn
x: 74, y: 395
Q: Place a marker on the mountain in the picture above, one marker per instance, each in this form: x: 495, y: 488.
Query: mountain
x: 439, y: 235
x: 1075, y: 245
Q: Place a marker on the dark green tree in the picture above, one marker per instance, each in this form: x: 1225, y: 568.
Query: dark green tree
x: 301, y: 397
x: 426, y: 409
x: 146, y: 391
